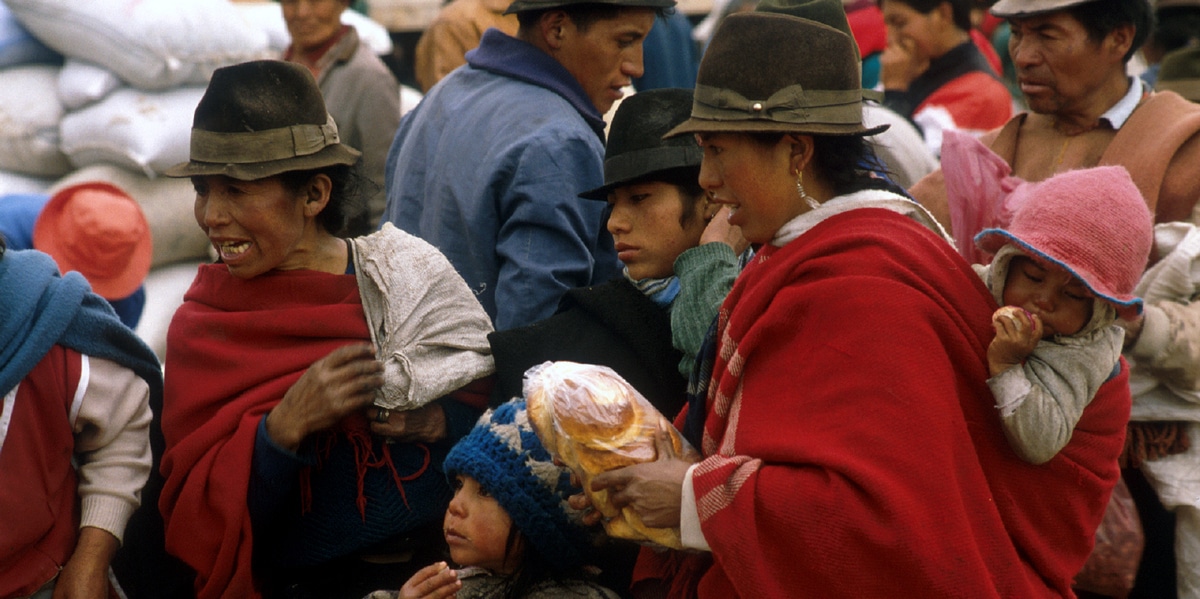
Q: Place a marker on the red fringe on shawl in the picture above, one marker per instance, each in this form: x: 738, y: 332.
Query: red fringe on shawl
x: 358, y: 431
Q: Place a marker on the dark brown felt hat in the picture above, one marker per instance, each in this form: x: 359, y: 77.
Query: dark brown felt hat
x: 259, y: 119
x: 779, y: 73
x: 828, y: 12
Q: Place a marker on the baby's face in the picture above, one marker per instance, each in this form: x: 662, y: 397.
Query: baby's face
x: 1058, y: 298
x: 476, y: 528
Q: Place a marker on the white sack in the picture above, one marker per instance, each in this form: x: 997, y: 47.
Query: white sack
x: 268, y: 17
x: 373, y: 34
x: 29, y: 118
x: 80, y: 83
x: 165, y: 287
x: 144, y: 131
x: 151, y: 44
x: 13, y: 183
x: 167, y: 204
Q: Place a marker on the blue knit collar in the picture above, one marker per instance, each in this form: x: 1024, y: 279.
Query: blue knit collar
x: 511, y: 57
x: 660, y: 291
x: 42, y: 309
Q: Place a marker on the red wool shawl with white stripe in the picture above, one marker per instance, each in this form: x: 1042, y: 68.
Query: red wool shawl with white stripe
x: 852, y: 447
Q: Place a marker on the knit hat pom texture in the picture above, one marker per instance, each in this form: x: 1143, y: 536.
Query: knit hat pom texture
x: 505, y: 456
x: 1093, y: 222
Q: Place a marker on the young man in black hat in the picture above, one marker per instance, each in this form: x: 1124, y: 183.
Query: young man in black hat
x: 489, y: 166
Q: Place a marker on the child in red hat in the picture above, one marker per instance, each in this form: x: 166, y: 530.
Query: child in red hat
x: 94, y: 228
x: 1064, y: 271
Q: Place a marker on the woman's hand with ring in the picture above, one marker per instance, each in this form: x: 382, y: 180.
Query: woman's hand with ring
x: 332, y: 388
x: 426, y: 424
x: 382, y: 415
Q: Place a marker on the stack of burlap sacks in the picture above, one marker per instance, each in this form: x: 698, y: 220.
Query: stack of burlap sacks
x: 104, y: 90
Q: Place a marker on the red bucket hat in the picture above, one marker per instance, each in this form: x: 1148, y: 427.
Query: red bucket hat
x: 95, y: 228
x: 1092, y: 222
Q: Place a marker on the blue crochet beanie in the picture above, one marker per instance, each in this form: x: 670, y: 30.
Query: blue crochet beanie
x: 505, y: 456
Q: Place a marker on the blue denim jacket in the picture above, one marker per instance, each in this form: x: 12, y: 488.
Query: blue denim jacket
x: 488, y: 168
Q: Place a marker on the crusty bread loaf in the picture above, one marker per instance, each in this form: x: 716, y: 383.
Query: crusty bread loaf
x: 594, y: 421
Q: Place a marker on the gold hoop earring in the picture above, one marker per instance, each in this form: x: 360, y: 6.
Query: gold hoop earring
x: 812, y: 202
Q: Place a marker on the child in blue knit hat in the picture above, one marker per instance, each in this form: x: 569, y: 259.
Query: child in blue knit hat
x: 508, y: 526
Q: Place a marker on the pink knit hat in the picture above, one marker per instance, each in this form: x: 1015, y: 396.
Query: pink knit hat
x: 1092, y: 222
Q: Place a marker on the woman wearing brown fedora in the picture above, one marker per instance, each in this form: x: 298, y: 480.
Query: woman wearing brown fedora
x: 316, y: 383
x: 850, y: 447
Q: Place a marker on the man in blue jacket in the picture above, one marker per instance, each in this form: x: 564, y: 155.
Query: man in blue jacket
x: 488, y: 167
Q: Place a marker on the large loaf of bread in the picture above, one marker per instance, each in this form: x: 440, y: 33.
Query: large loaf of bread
x: 592, y: 420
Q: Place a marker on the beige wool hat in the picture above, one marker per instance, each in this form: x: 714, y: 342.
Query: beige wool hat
x: 1021, y: 8
x: 259, y: 119
x: 778, y: 73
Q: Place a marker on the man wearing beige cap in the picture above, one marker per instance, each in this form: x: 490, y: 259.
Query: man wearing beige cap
x: 1071, y: 60
x: 1085, y: 110
x: 94, y: 228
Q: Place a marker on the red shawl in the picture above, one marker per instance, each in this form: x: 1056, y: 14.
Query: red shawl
x: 234, y: 348
x: 853, y: 448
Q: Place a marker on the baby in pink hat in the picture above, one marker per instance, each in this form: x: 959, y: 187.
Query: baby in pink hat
x: 1064, y: 270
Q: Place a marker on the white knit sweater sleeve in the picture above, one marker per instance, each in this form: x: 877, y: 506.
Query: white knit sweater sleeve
x: 1169, y: 344
x: 111, y: 422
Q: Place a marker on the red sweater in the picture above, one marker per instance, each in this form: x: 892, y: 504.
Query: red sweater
x: 853, y: 448
x: 39, y: 524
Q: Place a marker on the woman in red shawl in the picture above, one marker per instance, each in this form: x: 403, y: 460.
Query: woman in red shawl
x: 850, y: 447
x: 315, y: 382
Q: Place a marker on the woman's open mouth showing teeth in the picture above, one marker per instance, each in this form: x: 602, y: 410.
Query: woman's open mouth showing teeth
x: 233, y: 249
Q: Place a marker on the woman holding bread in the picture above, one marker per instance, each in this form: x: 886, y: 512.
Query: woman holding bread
x: 850, y: 445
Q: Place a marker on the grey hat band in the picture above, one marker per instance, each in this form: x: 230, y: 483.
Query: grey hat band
x: 792, y: 104
x: 632, y: 165
x: 262, y: 146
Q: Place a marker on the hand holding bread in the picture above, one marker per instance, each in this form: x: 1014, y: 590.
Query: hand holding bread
x: 593, y: 421
x: 1017, y: 334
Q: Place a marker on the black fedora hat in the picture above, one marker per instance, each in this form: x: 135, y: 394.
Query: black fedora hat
x: 636, y: 149
x: 778, y: 73
x: 259, y: 119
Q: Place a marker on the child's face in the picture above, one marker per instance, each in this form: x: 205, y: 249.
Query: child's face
x: 1061, y: 301
x: 650, y: 229
x: 476, y: 528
